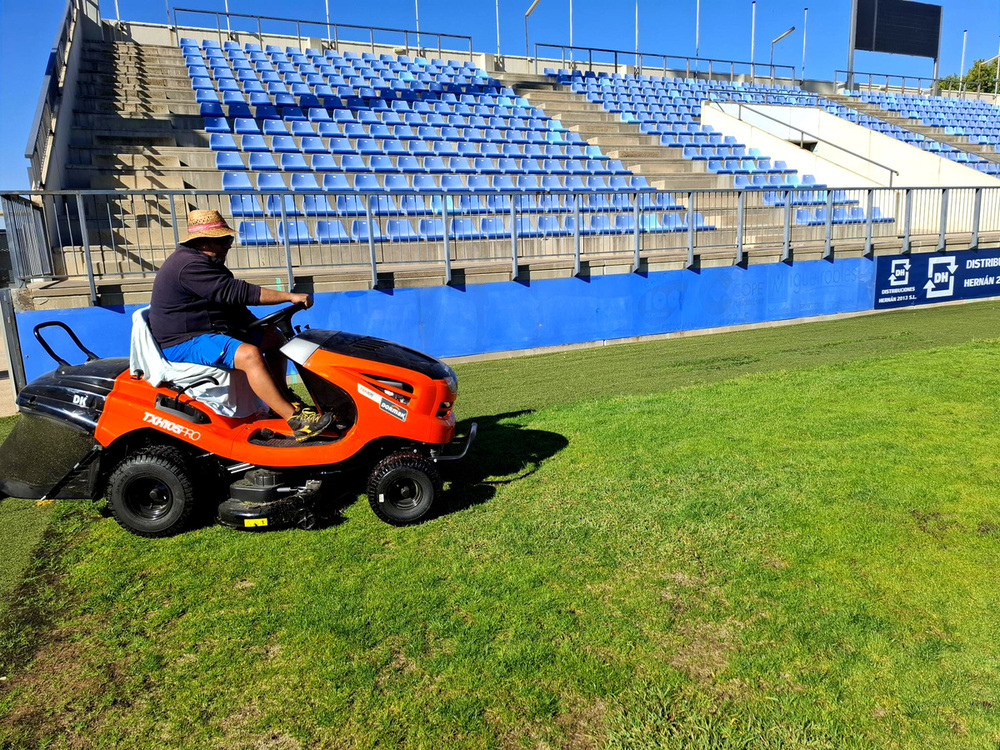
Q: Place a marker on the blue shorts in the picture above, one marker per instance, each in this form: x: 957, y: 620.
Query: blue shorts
x: 212, y: 349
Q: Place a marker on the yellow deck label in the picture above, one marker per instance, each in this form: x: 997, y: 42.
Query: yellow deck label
x: 254, y: 522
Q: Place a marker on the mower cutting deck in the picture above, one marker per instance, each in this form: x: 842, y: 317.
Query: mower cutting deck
x: 97, y: 429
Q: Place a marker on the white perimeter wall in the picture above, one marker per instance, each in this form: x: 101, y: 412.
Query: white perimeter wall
x: 915, y: 167
x: 836, y: 167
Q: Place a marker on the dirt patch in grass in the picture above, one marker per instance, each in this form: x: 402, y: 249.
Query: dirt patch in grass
x: 932, y: 522
x: 61, y: 673
x: 236, y: 732
x: 583, y: 724
x: 30, y: 613
x: 988, y: 528
x: 705, y: 650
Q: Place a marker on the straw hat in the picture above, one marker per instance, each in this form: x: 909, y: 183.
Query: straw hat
x: 209, y: 223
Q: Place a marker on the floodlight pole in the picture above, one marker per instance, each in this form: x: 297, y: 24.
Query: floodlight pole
x: 774, y: 42
x: 327, y: 21
x: 697, y: 27
x: 416, y: 8
x: 498, y: 28
x: 571, y: 25
x: 118, y: 15
x: 637, y: 35
x: 229, y: 29
x: 961, y: 72
x: 527, y: 52
x: 805, y: 21
x: 753, y: 38
x: 851, y: 43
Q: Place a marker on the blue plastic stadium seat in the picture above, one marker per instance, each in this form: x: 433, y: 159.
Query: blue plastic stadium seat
x: 350, y: 205
x: 400, y: 230
x: 255, y: 233
x: 270, y: 181
x: 236, y: 181
x: 431, y: 229
x: 217, y: 125
x: 274, y: 203
x: 229, y: 160
x: 253, y: 143
x: 294, y: 163
x: 245, y: 125
x: 413, y: 205
x: 331, y: 231
x: 262, y: 161
x: 464, y: 228
x: 550, y: 226
x: 245, y: 205
x: 298, y: 232
x: 284, y: 144
x: 304, y: 182
x: 317, y: 205
x: 359, y: 231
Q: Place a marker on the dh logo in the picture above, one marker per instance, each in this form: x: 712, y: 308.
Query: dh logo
x: 940, y: 277
x: 899, y: 272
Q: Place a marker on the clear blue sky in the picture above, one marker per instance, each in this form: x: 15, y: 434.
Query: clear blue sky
x: 28, y: 29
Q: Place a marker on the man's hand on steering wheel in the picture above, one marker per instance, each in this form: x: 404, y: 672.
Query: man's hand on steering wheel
x: 303, y: 299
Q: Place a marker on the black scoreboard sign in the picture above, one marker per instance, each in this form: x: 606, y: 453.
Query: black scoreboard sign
x: 900, y: 27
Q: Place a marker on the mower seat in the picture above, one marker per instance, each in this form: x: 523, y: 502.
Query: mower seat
x: 232, y: 397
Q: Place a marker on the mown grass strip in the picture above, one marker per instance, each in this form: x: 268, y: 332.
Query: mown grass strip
x: 800, y: 558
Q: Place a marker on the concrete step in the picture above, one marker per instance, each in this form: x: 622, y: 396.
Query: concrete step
x: 610, y: 142
x: 583, y: 116
x: 139, y: 111
x: 588, y: 129
x: 135, y: 89
x: 153, y: 124
x: 112, y: 68
x: 89, y: 177
x: 680, y: 182
x: 669, y: 167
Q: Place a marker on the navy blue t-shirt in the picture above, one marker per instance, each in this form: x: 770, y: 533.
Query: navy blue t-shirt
x: 194, y: 293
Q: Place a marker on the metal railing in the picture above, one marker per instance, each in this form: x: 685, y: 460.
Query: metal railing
x: 226, y: 25
x: 104, y: 235
x: 741, y: 106
x: 591, y: 57
x: 43, y: 125
x: 885, y: 82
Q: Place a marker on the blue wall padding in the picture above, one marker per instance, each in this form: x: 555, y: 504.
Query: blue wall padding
x: 480, y: 318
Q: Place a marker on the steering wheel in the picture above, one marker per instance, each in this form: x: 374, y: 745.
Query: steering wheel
x: 281, y: 319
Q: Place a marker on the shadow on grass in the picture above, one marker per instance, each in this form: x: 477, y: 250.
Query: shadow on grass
x: 504, y: 452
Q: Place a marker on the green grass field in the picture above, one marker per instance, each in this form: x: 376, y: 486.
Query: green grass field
x: 785, y: 538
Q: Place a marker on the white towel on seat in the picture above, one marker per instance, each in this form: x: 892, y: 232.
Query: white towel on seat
x: 232, y: 397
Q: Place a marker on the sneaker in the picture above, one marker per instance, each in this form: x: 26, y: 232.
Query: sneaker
x: 307, y: 423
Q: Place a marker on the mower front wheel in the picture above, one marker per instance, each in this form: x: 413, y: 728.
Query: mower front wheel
x: 402, y: 488
x: 151, y: 494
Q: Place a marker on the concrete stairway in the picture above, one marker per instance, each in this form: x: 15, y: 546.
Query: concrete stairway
x: 137, y: 125
x: 663, y: 167
x: 915, y: 126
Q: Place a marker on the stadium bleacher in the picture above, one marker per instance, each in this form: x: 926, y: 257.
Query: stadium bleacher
x: 305, y: 121
x: 670, y: 108
x: 977, y: 121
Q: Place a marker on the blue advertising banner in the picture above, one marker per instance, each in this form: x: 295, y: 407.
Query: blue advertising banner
x: 478, y: 318
x: 902, y: 280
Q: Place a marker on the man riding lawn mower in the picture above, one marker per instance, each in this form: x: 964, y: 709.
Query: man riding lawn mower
x: 198, y: 314
x: 159, y: 433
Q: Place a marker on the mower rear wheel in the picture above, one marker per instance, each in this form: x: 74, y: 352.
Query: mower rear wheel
x: 151, y: 494
x: 402, y: 488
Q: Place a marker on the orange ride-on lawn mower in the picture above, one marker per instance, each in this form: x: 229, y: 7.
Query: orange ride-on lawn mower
x: 98, y: 429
